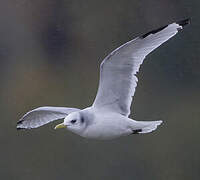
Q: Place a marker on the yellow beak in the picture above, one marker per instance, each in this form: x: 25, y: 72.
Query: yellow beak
x: 60, y: 126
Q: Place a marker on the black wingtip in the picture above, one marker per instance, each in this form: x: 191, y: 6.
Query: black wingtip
x: 19, y: 122
x: 180, y: 23
x: 18, y: 128
x: 184, y: 22
x: 153, y: 32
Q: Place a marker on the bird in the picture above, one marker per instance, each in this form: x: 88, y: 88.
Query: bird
x: 108, y: 117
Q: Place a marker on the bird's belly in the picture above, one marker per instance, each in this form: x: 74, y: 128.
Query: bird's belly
x: 106, y: 131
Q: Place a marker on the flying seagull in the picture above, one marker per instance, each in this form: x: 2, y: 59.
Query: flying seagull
x: 108, y: 117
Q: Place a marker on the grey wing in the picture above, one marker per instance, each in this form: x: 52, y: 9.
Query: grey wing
x: 43, y: 115
x: 117, y: 72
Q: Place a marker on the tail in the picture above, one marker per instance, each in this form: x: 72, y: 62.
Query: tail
x: 141, y: 127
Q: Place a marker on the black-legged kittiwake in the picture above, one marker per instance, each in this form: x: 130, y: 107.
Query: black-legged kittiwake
x: 108, y: 117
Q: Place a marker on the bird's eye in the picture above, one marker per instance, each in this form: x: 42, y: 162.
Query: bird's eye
x: 73, y: 121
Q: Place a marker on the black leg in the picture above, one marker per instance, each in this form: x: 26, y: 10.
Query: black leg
x: 137, y: 131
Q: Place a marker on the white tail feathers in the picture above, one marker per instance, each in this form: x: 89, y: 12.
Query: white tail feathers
x: 150, y: 126
x: 141, y: 127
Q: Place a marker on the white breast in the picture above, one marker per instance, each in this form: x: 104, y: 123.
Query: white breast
x: 107, y: 126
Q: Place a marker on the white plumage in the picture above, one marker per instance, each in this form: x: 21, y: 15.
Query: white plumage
x: 108, y: 118
x: 43, y: 115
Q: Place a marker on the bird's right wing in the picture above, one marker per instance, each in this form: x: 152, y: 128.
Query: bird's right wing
x: 43, y: 115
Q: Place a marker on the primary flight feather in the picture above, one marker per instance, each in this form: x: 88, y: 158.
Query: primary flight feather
x: 108, y: 118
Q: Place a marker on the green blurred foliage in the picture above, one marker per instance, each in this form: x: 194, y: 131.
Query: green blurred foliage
x: 50, y: 53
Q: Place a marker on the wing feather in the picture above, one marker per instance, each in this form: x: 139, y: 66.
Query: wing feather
x: 43, y: 115
x: 118, y: 70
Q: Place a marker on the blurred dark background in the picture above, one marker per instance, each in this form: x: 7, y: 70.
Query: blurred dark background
x: 50, y: 52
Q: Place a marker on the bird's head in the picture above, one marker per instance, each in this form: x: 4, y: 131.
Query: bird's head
x: 74, y: 122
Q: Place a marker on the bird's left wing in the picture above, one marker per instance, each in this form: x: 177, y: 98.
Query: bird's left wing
x: 43, y: 115
x: 117, y: 72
